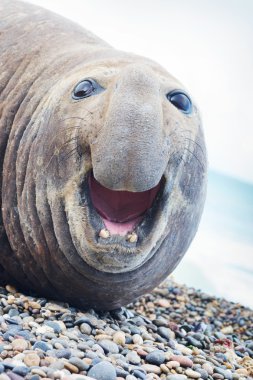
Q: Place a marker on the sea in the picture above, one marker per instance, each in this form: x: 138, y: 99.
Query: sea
x: 220, y: 258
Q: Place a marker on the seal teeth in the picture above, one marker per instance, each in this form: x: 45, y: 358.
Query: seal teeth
x: 132, y: 238
x: 104, y: 233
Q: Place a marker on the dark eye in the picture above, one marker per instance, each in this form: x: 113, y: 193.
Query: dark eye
x: 86, y: 88
x: 180, y: 100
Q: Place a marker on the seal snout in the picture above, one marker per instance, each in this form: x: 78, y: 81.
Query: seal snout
x: 129, y: 153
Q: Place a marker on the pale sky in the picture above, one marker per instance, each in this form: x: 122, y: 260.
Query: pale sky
x: 206, y: 44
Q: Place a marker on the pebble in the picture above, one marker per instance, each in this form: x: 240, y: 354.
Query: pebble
x: 163, y: 302
x: 156, y: 357
x: 183, y: 360
x: 203, y: 373
x: 139, y: 374
x: 3, y: 376
x: 218, y: 376
x: 133, y: 357
x: 173, y: 364
x: 72, y: 368
x: 32, y: 359
x: 176, y: 377
x: 183, y: 349
x: 227, y: 330
x: 85, y: 328
x: 224, y: 372
x: 63, y: 353
x: 165, y: 332
x: 14, y: 376
x: 39, y: 372
x: 19, y: 344
x: 151, y: 368
x: 121, y: 372
x: 208, y: 367
x: 241, y: 371
x: 194, y: 336
x: 43, y: 346
x: 103, y: 371
x: 109, y: 346
x: 57, y: 328
x: 164, y: 368
x: 194, y: 342
x: 137, y: 339
x: 130, y: 377
x: 43, y: 330
x: 21, y: 370
x: 192, y: 374
x: 79, y: 363
x: 10, y: 289
x: 119, y: 338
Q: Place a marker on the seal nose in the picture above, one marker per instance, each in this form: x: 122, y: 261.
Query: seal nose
x: 129, y: 153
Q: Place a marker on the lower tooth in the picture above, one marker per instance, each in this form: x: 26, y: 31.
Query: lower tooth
x: 132, y: 238
x: 105, y: 234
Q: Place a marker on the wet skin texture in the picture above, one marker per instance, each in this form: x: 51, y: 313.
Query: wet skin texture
x: 126, y: 154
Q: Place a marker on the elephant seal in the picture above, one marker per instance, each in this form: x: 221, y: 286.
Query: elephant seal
x: 103, y: 163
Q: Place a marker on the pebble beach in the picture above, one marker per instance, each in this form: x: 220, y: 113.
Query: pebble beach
x: 174, y: 333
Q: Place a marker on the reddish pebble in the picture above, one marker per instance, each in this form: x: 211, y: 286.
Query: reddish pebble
x: 163, y: 302
x: 141, y: 352
x: 183, y: 360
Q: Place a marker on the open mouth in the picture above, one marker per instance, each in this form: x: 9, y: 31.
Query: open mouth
x: 120, y: 229
x: 121, y: 211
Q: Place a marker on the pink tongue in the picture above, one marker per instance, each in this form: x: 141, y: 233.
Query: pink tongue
x: 121, y: 210
x: 121, y: 228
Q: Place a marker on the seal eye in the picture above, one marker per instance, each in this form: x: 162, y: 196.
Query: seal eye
x: 180, y: 100
x: 83, y: 89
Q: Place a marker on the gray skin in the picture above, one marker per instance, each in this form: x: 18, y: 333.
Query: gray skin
x: 128, y: 133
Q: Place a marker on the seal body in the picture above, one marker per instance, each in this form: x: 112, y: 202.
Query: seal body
x: 103, y: 163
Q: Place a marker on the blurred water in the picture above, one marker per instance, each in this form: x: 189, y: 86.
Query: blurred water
x: 220, y: 259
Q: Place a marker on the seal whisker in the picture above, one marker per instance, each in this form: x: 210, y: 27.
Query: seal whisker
x: 178, y: 127
x: 74, y: 139
x: 194, y: 155
x: 177, y: 157
x: 73, y: 117
x: 56, y: 136
x: 182, y: 132
x: 194, y: 142
x: 72, y: 127
x: 65, y: 156
x: 69, y: 154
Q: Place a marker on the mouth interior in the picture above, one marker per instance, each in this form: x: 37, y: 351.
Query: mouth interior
x: 120, y: 211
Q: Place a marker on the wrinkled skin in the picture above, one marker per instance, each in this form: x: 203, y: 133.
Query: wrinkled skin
x: 129, y: 135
